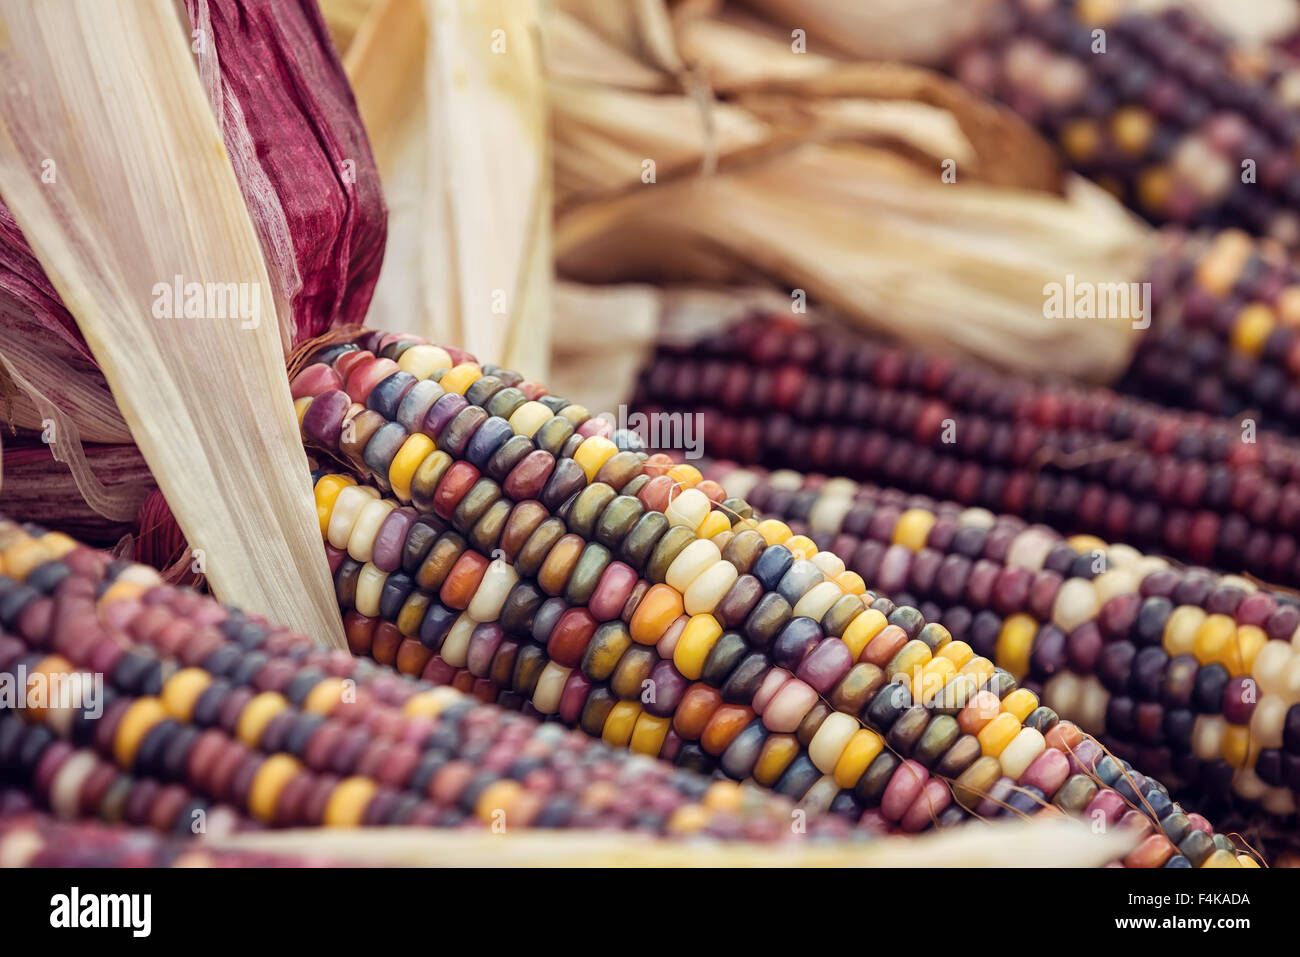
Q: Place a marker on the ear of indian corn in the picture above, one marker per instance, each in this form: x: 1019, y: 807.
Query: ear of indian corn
x: 257, y: 717
x: 1190, y: 675
x: 1225, y: 331
x: 1159, y: 107
x: 828, y: 745
x: 1084, y: 460
x: 687, y: 580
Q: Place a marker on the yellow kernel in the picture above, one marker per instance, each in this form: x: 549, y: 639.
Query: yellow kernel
x: 714, y: 524
x: 496, y: 799
x: 1081, y: 140
x: 401, y: 469
x: 327, y: 492
x: 348, y: 801
x: 594, y: 452
x: 1154, y: 186
x: 325, y: 696
x: 268, y: 783
x: 139, y: 720
x: 1288, y: 305
x: 723, y: 796
x: 774, y: 532
x: 851, y: 582
x: 59, y: 544
x: 685, y: 475
x: 23, y: 556
x: 257, y: 714
x: 1132, y: 128
x: 121, y: 591
x: 801, y: 546
x: 1251, y: 640
x: 182, y: 691
x: 1236, y: 745
x: 998, y: 733
x: 1020, y: 703
x: 958, y: 652
x: 862, y: 629
x: 430, y: 704
x: 1181, y: 628
x: 1218, y: 270
x: 913, y: 528
x: 861, y: 750
x: 1014, y: 643
x: 649, y: 733
x: 459, y: 378
x: 1213, y: 637
x: 688, y: 819
x: 619, y: 724
x: 1252, y: 327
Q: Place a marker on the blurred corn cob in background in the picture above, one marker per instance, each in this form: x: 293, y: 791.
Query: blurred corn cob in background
x: 1225, y: 334
x: 778, y: 393
x: 1162, y: 108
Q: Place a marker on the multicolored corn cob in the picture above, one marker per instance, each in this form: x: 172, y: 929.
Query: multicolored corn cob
x: 804, y: 618
x: 77, y: 782
x: 1193, y: 677
x: 825, y: 757
x: 262, y: 719
x: 1083, y: 460
x: 1160, y: 108
x: 1225, y: 334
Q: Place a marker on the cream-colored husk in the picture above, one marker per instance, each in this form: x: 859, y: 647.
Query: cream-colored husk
x: 107, y: 97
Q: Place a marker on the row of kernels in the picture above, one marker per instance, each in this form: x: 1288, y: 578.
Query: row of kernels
x: 1251, y: 525
x: 1236, y: 646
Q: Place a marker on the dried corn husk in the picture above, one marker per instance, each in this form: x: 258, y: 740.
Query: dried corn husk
x: 832, y: 186
x: 906, y: 256
x: 51, y: 497
x: 692, y: 143
x: 1055, y: 843
x: 600, y: 371
x: 451, y: 91
x: 145, y: 192
x: 300, y: 155
x: 911, y: 31
x: 344, y: 18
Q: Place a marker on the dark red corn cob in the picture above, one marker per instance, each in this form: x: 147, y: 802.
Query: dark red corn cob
x: 1081, y: 459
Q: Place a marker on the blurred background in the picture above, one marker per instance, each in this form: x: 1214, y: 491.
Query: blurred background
x: 920, y: 170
